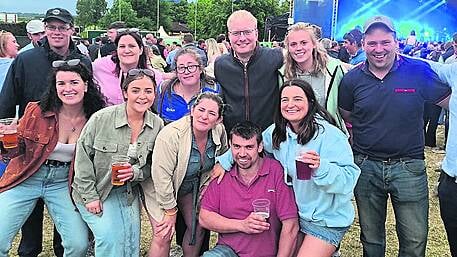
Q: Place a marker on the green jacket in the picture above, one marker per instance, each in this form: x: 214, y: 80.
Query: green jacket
x: 169, y: 164
x: 106, y: 134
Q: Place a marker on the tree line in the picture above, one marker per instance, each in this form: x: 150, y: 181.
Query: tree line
x: 205, y: 17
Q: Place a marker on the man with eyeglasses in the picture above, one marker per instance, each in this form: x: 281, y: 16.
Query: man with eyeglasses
x: 26, y: 82
x: 35, y: 32
x: 249, y: 75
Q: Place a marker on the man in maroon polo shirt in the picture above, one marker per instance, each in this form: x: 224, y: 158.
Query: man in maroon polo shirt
x: 227, y: 207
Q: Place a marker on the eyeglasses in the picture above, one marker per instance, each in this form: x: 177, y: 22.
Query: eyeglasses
x: 190, y: 68
x: 135, y: 72
x: 128, y: 30
x: 57, y: 28
x: 72, y: 62
x: 246, y: 32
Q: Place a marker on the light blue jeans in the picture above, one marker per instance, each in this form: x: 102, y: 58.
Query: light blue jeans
x: 117, y: 230
x: 50, y: 184
x: 405, y: 181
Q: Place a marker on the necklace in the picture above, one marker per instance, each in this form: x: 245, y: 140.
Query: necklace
x: 73, y: 125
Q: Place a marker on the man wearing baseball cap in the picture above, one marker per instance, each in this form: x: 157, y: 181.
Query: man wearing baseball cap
x: 35, y: 32
x: 384, y: 100
x: 25, y: 82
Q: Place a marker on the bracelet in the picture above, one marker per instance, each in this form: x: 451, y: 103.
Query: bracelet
x: 173, y: 213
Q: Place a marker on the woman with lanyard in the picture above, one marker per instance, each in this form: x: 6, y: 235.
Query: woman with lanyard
x: 176, y: 96
x: 182, y: 160
x: 318, y: 164
x: 109, y: 203
x: 111, y: 70
x: 306, y: 59
x: 41, y: 164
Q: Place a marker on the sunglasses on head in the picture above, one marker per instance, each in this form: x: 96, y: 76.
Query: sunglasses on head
x: 134, y: 72
x: 72, y: 62
x: 128, y: 30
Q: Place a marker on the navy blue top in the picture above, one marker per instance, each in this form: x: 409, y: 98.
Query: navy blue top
x: 171, y: 106
x: 387, y: 114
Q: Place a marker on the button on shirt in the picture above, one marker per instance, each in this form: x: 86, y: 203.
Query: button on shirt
x: 387, y: 114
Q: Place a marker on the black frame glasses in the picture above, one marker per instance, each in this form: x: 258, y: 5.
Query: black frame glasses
x: 135, y: 72
x: 72, y: 62
x: 191, y: 68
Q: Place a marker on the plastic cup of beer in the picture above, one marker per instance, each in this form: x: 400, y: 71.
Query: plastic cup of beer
x: 118, y: 162
x: 303, y: 170
x: 8, y: 132
x: 262, y: 207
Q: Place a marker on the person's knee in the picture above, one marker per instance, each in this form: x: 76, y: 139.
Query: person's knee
x: 161, y: 242
x: 77, y: 245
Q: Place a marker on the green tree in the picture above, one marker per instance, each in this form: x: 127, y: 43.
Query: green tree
x: 179, y: 11
x: 211, y: 16
x: 147, y: 12
x: 89, y: 12
x: 121, y: 11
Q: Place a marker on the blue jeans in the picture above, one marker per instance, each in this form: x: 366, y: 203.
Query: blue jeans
x: 405, y: 181
x: 51, y: 184
x: 117, y: 230
x: 220, y: 251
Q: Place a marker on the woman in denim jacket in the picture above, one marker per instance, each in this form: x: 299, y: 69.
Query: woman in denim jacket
x: 41, y: 166
x: 129, y: 129
x: 183, y: 156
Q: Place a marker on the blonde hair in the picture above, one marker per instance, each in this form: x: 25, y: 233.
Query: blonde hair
x: 241, y: 14
x: 4, y: 35
x: 212, y: 48
x: 319, y: 53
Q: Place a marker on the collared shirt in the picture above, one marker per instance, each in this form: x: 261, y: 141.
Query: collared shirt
x: 107, y: 133
x: 359, y: 57
x: 38, y: 134
x: 387, y: 114
x: 232, y: 198
x: 195, y: 161
x: 171, y: 106
x: 448, y: 73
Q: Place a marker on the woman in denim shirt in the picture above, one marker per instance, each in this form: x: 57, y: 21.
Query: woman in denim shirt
x: 113, y: 212
x: 182, y: 159
x: 41, y: 167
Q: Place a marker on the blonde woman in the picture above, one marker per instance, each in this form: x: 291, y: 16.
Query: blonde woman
x: 8, y: 51
x: 213, y: 51
x: 306, y: 59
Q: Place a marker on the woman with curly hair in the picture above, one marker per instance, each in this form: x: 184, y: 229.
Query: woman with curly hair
x: 42, y: 164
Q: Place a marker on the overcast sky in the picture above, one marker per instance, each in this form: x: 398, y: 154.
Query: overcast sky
x: 38, y: 6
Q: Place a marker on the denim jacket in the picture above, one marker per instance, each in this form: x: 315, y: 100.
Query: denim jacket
x: 106, y: 134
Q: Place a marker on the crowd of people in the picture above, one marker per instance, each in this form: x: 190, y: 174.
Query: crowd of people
x: 267, y: 147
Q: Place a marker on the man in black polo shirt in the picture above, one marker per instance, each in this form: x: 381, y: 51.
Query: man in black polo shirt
x: 384, y: 99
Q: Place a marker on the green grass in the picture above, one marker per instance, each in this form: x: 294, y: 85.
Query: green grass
x: 437, y: 245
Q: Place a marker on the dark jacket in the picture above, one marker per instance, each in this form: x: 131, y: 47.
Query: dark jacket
x: 252, y: 92
x: 27, y: 78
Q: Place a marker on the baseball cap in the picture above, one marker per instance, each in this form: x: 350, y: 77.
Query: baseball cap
x: 34, y: 26
x: 379, y: 19
x: 59, y: 14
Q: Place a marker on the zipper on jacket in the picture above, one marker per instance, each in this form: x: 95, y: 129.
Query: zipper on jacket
x: 246, y: 90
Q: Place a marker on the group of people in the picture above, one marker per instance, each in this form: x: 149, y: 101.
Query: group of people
x: 295, y: 128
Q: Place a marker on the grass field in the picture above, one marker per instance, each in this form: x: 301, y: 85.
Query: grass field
x: 437, y: 245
